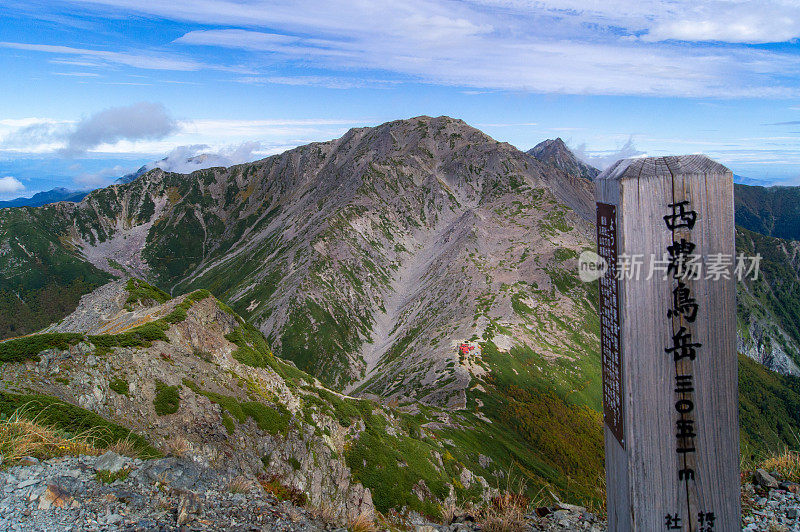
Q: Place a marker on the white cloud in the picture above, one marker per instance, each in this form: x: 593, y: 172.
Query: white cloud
x: 602, y: 159
x: 732, y: 22
x: 329, y: 82
x: 140, y: 121
x: 455, y: 51
x: 182, y: 159
x: 10, y: 185
x: 32, y: 135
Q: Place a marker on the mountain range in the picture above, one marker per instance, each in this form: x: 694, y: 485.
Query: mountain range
x: 46, y: 197
x: 419, y: 266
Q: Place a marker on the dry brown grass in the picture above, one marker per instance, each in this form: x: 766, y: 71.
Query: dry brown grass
x: 275, y: 486
x: 21, y: 437
x: 506, y: 512
x: 785, y: 465
x: 176, y: 445
x: 126, y: 447
x: 449, y: 512
x: 365, y: 522
x: 240, y: 484
x: 598, y: 506
x: 325, y: 513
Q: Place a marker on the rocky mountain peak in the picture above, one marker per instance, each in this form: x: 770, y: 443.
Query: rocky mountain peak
x: 556, y: 153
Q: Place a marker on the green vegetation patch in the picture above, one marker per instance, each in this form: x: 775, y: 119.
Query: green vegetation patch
x: 28, y: 347
x: 270, y: 418
x: 563, y: 254
x: 769, y: 410
x: 391, y: 466
x: 119, y: 385
x: 227, y: 422
x: 167, y: 399
x: 141, y: 336
x: 44, y: 276
x: 109, y: 477
x: 253, y: 350
x: 73, y: 420
x: 344, y: 410
x: 178, y: 314
x: 144, y: 293
x: 318, y: 339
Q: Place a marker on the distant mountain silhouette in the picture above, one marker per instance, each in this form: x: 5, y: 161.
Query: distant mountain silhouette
x: 43, y: 198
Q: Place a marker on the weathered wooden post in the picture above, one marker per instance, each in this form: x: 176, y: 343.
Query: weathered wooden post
x: 668, y: 335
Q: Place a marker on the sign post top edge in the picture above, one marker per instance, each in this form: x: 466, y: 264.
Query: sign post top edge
x: 650, y: 167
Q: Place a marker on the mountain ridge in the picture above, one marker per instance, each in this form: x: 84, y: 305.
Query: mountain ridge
x: 428, y: 192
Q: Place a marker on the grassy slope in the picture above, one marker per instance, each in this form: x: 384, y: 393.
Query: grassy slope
x: 73, y: 420
x: 769, y: 410
x: 774, y: 299
x: 42, y: 279
x: 773, y: 211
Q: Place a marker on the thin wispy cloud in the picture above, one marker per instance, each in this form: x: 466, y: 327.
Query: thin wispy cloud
x: 100, y: 178
x: 652, y: 47
x: 137, y: 60
x: 328, y: 82
x: 77, y: 74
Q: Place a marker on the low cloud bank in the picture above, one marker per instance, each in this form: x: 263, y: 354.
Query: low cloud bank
x: 604, y: 159
x: 187, y: 159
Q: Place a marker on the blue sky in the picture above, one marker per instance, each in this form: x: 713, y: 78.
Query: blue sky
x: 93, y: 89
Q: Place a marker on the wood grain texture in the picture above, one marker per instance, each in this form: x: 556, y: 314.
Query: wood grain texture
x: 642, y: 479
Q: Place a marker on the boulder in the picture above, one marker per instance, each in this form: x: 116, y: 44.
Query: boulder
x: 54, y: 497
x: 110, y: 461
x: 765, y: 480
x: 188, y: 505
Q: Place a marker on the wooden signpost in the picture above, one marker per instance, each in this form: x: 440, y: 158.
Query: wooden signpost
x: 668, y: 337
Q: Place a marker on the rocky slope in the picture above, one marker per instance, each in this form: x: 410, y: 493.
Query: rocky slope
x: 202, y: 384
x: 113, y: 492
x: 175, y: 372
x: 768, y: 310
x: 166, y: 494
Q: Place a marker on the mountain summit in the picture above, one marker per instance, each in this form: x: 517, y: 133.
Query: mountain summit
x: 555, y: 153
